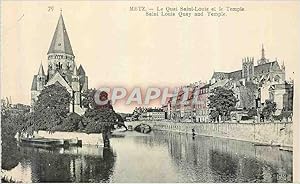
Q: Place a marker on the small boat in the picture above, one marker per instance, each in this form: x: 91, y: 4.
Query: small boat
x: 50, y: 143
x: 42, y: 142
x: 143, y: 128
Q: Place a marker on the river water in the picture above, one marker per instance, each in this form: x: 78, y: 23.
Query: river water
x: 155, y: 157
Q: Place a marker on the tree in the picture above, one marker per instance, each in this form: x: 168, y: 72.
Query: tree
x: 10, y: 125
x: 51, y: 107
x: 100, y: 118
x: 222, y: 102
x: 269, y: 109
x: 88, y: 99
x: 96, y: 119
x: 247, y: 95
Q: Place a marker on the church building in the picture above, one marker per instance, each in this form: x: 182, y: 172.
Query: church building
x: 264, y: 71
x: 62, y: 69
x: 264, y: 81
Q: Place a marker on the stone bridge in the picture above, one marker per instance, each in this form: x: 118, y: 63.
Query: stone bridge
x: 136, y: 123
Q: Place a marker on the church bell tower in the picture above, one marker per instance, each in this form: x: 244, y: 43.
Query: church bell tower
x: 60, y: 54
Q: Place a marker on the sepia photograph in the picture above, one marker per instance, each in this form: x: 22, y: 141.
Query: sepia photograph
x: 150, y: 91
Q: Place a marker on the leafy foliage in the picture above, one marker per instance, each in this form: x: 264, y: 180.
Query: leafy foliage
x: 51, y: 112
x: 99, y: 117
x: 10, y: 125
x: 88, y: 99
x: 269, y: 109
x: 51, y: 107
x: 222, y: 102
x: 95, y: 119
x: 70, y: 123
x: 247, y: 95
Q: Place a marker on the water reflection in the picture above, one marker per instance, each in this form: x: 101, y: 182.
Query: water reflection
x: 207, y: 159
x: 87, y: 164
x: 158, y: 157
x: 10, y: 156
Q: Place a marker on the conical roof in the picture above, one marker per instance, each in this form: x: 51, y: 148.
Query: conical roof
x: 41, y: 70
x: 81, y: 70
x: 60, y: 41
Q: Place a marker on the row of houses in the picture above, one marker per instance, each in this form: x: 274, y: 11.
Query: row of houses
x: 252, y: 86
x: 148, y: 114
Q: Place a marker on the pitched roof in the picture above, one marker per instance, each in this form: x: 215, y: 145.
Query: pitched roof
x: 258, y: 69
x: 236, y: 75
x: 60, y: 41
x: 220, y: 75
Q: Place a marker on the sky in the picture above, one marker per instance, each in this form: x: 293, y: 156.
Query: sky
x: 127, y: 49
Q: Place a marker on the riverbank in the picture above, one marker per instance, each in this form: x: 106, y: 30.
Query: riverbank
x: 280, y: 134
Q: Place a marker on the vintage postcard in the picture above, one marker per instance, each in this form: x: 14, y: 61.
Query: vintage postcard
x: 150, y: 91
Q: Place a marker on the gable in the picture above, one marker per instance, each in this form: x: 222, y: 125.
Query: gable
x: 58, y: 78
x: 275, y: 66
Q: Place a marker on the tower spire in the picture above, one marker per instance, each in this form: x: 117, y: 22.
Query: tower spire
x: 60, y: 41
x: 41, y: 70
x: 283, y: 66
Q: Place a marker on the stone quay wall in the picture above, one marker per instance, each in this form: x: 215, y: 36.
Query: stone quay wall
x: 266, y: 133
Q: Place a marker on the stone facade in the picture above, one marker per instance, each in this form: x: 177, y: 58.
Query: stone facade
x: 282, y: 95
x: 202, y: 110
x: 62, y: 69
x: 152, y: 115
